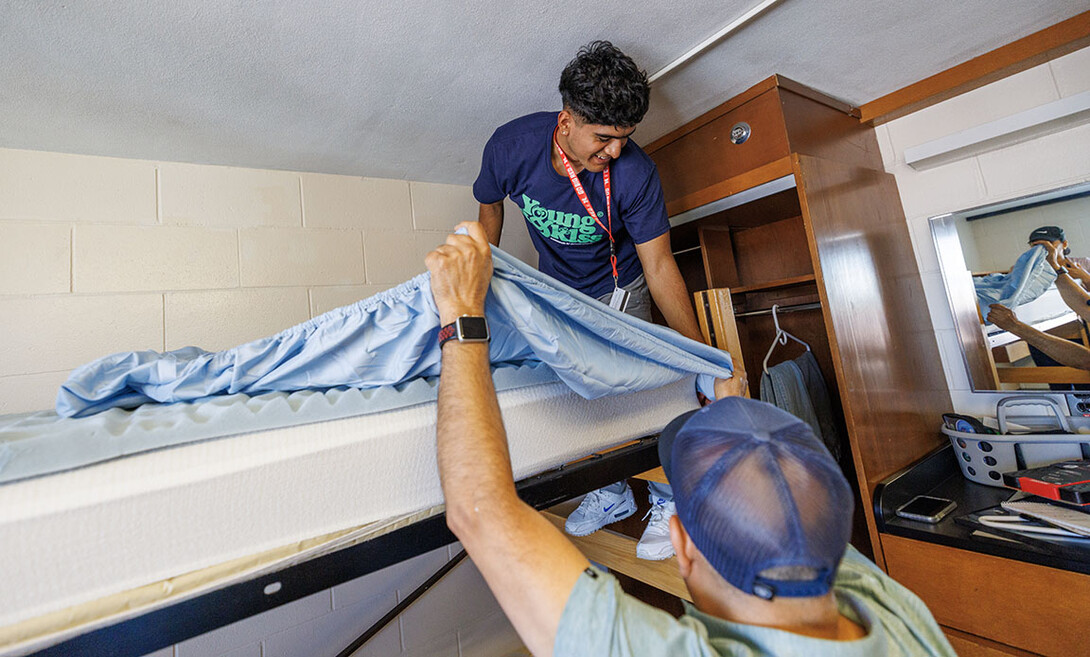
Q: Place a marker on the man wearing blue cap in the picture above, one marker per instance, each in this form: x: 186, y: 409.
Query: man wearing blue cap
x: 761, y: 531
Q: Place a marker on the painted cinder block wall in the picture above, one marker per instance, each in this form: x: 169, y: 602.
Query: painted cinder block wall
x: 100, y: 255
x: 1046, y: 162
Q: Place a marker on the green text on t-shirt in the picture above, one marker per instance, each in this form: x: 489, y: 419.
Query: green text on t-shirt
x: 566, y: 227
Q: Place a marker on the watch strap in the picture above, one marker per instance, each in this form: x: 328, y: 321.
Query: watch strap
x: 447, y: 333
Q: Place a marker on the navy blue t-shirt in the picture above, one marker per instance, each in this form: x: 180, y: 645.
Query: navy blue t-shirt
x: 571, y: 247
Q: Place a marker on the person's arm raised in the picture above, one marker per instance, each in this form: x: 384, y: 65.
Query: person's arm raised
x: 528, y: 564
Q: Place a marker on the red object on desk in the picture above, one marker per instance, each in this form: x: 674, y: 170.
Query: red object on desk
x: 1049, y: 480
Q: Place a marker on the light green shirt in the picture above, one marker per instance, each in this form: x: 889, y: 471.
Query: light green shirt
x: 600, y: 620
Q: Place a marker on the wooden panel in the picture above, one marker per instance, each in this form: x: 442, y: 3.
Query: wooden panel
x: 772, y: 252
x: 715, y: 314
x: 821, y: 131
x: 706, y: 156
x: 1024, y: 605
x: 618, y: 552
x: 1037, y: 48
x: 1042, y: 375
x: 959, y: 285
x: 718, y: 253
x: 746, y: 96
x: 787, y: 84
x: 968, y: 645
x: 724, y: 188
x: 791, y: 281
x: 891, y: 382
x: 761, y: 87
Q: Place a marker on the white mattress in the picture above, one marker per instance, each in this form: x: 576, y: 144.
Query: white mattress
x: 76, y: 536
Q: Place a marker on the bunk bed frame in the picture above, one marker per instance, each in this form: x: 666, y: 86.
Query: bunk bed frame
x: 188, y: 618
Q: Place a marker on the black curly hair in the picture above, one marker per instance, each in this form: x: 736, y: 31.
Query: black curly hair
x: 604, y: 86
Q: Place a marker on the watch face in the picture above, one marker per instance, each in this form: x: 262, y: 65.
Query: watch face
x: 472, y: 328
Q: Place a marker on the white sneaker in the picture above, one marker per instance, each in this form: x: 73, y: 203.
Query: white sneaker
x: 655, y: 543
x: 598, y: 509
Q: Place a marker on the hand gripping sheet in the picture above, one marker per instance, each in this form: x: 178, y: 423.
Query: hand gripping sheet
x: 390, y: 338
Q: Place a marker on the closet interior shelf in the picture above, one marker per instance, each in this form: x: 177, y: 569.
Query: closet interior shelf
x: 770, y: 285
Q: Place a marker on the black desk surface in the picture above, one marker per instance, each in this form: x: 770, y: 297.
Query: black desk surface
x: 938, y: 475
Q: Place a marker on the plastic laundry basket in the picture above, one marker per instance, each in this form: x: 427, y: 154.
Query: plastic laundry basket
x: 984, y: 457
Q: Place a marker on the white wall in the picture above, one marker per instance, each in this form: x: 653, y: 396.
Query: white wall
x: 100, y: 255
x: 999, y: 240
x: 1050, y: 161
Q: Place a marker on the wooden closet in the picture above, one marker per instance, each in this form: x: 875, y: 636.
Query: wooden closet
x: 800, y: 213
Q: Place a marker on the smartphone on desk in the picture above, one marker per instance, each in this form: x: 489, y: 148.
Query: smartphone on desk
x: 924, y: 508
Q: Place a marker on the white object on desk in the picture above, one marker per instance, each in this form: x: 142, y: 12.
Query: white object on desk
x: 1070, y: 519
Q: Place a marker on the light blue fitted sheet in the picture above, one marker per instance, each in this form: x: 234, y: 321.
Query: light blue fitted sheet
x: 375, y: 355
x: 35, y: 444
x: 390, y: 338
x: 1029, y: 278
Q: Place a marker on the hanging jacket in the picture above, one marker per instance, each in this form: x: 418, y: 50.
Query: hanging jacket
x: 797, y: 387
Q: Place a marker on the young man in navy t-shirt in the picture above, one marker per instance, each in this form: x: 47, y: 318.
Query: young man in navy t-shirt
x: 593, y: 204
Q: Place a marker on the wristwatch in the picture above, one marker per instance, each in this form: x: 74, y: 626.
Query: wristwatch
x: 467, y: 328
x: 1060, y: 271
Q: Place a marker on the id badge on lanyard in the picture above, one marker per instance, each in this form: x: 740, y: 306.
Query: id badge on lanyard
x: 619, y: 299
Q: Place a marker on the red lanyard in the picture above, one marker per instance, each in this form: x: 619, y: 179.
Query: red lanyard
x: 582, y: 194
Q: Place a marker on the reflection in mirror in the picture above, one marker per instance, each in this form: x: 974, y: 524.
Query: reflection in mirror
x: 1017, y: 275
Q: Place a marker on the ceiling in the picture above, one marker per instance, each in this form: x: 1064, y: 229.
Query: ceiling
x: 412, y: 89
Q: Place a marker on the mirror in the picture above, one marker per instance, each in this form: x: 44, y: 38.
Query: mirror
x: 1035, y: 337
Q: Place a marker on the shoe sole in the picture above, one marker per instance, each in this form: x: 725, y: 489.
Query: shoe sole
x: 663, y: 558
x: 631, y: 511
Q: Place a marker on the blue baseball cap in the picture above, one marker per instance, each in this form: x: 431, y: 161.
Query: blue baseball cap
x: 1047, y: 234
x: 760, y: 496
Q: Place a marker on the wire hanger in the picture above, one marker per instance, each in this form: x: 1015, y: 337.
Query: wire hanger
x: 780, y: 337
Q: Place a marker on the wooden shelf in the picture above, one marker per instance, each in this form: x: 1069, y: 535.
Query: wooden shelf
x: 618, y: 553
x: 656, y: 475
x: 1042, y: 375
x: 772, y: 285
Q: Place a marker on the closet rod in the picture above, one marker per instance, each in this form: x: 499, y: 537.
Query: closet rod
x: 780, y: 309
